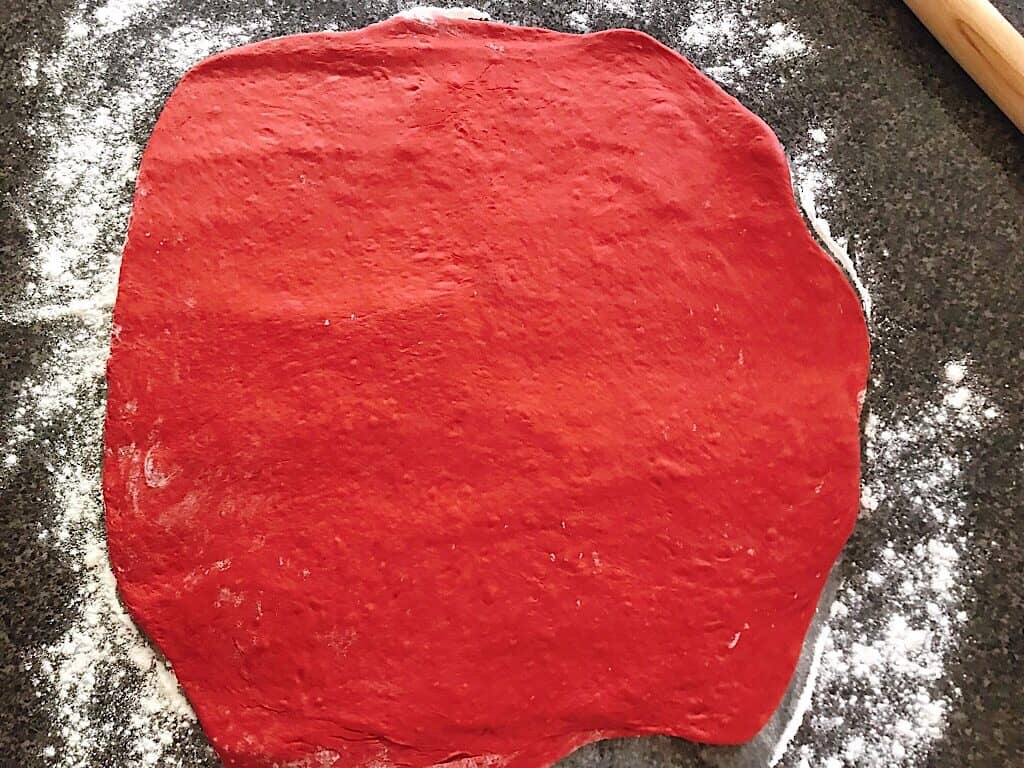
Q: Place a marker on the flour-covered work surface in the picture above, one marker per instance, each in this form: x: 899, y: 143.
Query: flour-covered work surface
x: 905, y: 173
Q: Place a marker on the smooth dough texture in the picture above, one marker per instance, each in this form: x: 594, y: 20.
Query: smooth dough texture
x: 476, y: 392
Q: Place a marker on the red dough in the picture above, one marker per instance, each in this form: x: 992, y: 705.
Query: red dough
x: 476, y: 392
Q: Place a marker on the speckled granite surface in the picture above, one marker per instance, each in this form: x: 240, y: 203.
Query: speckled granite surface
x: 928, y: 176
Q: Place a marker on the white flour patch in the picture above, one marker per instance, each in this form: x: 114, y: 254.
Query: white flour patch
x: 625, y: 8
x: 427, y: 14
x: 803, y: 701
x: 113, y: 16
x: 30, y: 71
x: 782, y: 43
x: 578, y: 21
x: 811, y: 179
x: 735, y: 46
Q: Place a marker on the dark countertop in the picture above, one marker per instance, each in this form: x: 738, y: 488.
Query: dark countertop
x: 928, y: 182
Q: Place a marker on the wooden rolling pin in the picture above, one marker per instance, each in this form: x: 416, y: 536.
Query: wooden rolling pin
x: 986, y: 45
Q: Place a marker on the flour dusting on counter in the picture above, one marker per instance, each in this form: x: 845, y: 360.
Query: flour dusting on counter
x: 735, y: 46
x: 427, y: 14
x: 810, y: 181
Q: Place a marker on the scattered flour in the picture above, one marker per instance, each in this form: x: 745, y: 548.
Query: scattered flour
x: 783, y: 44
x: 115, y: 15
x: 428, y: 13
x: 735, y: 46
x: 625, y: 8
x: 30, y: 72
x: 578, y: 21
x: 811, y: 180
x: 803, y: 701
x: 955, y: 371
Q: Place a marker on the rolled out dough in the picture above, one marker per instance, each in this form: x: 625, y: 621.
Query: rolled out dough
x: 476, y: 392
